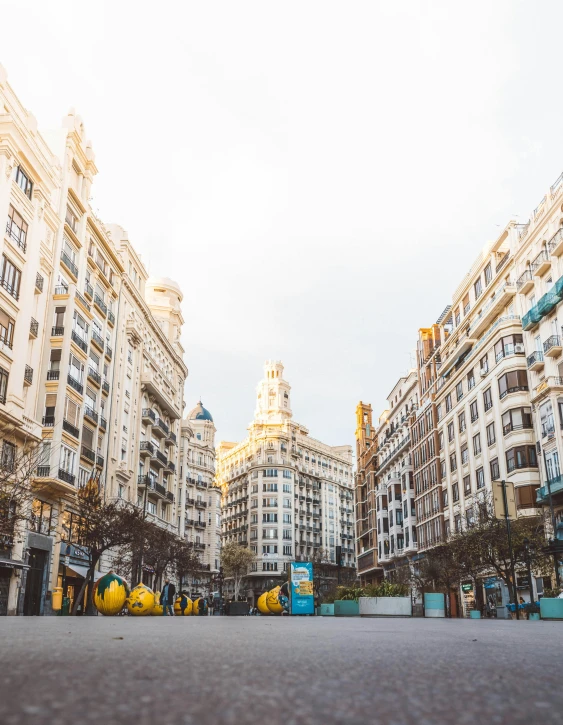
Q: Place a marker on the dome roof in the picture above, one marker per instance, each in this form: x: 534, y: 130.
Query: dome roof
x: 200, y: 413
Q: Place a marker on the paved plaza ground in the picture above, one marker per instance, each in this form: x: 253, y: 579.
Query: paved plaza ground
x: 308, y: 671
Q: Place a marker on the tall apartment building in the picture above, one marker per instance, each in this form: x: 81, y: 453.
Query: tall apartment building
x: 91, y: 369
x: 394, y: 482
x: 29, y: 188
x: 285, y: 494
x: 201, y: 510
x: 369, y: 569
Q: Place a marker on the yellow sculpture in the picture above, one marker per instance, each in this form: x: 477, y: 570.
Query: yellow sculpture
x: 261, y: 604
x: 110, y: 594
x: 141, y: 601
x: 272, y: 601
x: 183, y: 606
x: 157, y: 609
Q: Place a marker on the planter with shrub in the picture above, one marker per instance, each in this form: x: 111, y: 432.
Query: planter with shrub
x: 386, y: 600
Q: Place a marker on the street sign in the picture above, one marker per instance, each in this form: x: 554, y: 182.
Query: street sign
x: 498, y: 500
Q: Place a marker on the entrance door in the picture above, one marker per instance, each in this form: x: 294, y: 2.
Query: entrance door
x: 34, y: 582
x: 5, y: 576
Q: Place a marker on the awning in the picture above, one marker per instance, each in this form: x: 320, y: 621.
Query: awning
x: 82, y: 571
x: 14, y: 564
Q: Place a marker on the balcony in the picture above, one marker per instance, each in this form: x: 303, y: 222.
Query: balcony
x: 100, y: 461
x: 39, y: 283
x: 100, y: 304
x: 88, y: 290
x: 48, y: 421
x: 164, y: 397
x: 28, y: 375
x: 103, y: 423
x: 97, y: 340
x: 33, y: 328
x: 111, y: 318
x: 492, y: 309
x: 170, y: 496
x: 555, y: 487
x: 88, y: 454
x: 82, y: 301
x: 547, y: 303
x: 82, y: 344
x: 171, y: 438
x: 75, y: 384
x: 160, y: 428
x: 57, y: 331
x: 53, y: 374
x: 535, y: 361
x: 541, y: 263
x: 171, y: 466
x: 146, y: 448
x: 109, y: 352
x: 201, y: 504
x: 555, y: 245
x: 550, y: 384
x: 148, y: 416
x: 70, y: 265
x: 105, y: 387
x: 552, y: 346
x: 17, y: 235
x: 94, y: 376
x: 72, y: 429
x: 144, y: 480
x: 525, y: 282
x: 65, y: 476
x: 91, y: 414
x: 61, y: 290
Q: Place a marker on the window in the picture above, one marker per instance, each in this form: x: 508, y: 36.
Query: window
x: 287, y: 533
x: 269, y: 566
x: 495, y: 471
x: 450, y: 432
x: 480, y: 476
x: 521, y: 457
x: 439, y: 412
x: 488, y: 274
x: 270, y: 549
x: 453, y: 462
x: 6, y: 329
x: 470, y: 380
x: 448, y: 402
x: 457, y: 523
x: 467, y: 485
x: 459, y: 390
x: 68, y: 458
x: 477, y: 444
x: 8, y: 456
x: 443, y: 469
x: 287, y: 550
x: 24, y: 182
x: 286, y: 474
x: 488, y: 399
x: 466, y: 305
x: 287, y: 487
x: 457, y: 317
x: 3, y: 384
x: 464, y: 455
x: 269, y: 533
x: 546, y: 419
x: 474, y: 411
x: 11, y: 277
x: 461, y: 420
x: 517, y: 419
x: 478, y: 288
x: 512, y: 382
x: 270, y: 487
x: 270, y: 518
x: 40, y: 519
x: 484, y: 365
x: 270, y: 473
x: 16, y: 228
x: 491, y: 437
x: 287, y: 518
x: 455, y: 492
x: 509, y: 346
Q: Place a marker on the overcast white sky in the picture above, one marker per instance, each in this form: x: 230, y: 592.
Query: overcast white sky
x: 317, y: 176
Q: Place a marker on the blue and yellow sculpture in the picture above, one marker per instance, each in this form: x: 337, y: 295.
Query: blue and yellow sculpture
x: 110, y: 594
x: 141, y: 601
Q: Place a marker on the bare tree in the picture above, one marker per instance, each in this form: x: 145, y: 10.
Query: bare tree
x: 235, y: 560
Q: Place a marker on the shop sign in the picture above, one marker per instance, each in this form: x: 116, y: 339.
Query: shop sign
x: 467, y: 586
x: 490, y: 582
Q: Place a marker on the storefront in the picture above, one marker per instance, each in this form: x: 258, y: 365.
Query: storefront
x: 10, y: 583
x: 74, y: 563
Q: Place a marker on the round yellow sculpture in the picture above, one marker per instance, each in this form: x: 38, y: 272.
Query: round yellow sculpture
x: 183, y: 606
x: 261, y: 603
x: 141, y: 601
x: 110, y: 594
x: 272, y: 601
x: 157, y: 609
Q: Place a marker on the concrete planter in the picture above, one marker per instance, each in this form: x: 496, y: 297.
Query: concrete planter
x: 534, y: 616
x: 327, y: 610
x: 434, y: 604
x: 551, y: 608
x: 474, y: 614
x: 238, y: 609
x: 385, y: 607
x: 346, y: 608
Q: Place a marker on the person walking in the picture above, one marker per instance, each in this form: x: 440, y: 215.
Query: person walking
x: 167, y: 597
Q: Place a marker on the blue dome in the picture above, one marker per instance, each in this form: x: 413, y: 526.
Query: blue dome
x: 200, y: 413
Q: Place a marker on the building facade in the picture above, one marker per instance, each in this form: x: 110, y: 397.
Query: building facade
x: 201, y: 510
x: 369, y: 568
x: 284, y: 494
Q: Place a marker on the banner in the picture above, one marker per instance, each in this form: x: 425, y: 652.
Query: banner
x: 302, y: 594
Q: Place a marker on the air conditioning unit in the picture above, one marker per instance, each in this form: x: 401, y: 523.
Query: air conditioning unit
x: 519, y: 347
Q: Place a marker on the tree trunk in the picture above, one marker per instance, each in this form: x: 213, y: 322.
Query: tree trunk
x: 86, y: 583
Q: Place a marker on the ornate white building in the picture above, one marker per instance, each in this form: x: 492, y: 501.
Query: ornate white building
x: 285, y: 495
x: 200, y: 514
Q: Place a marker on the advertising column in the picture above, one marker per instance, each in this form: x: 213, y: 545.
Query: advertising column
x: 302, y: 600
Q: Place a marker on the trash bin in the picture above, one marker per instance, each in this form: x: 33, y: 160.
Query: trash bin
x: 474, y: 614
x: 65, y: 609
x: 57, y: 599
x: 502, y: 613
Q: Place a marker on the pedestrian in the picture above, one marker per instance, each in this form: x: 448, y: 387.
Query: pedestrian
x: 167, y: 597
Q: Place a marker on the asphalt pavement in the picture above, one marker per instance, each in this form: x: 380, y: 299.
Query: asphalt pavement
x: 268, y: 670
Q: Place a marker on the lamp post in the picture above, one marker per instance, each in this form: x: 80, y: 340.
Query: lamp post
x: 510, y: 549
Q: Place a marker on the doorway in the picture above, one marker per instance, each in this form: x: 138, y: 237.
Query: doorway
x: 34, y: 582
